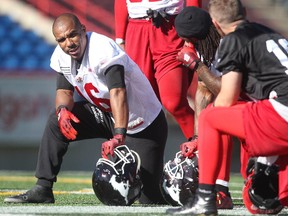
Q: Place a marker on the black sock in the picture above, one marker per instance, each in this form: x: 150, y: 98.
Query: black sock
x: 45, y: 183
x: 206, y: 189
x: 222, y: 189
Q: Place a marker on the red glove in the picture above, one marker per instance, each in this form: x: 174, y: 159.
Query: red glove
x: 64, y: 122
x: 189, y: 148
x: 109, y: 146
x: 188, y: 57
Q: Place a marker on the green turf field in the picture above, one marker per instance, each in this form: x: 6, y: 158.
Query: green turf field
x: 74, y: 196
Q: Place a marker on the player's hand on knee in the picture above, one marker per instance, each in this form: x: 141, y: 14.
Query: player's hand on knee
x: 188, y: 57
x: 109, y: 146
x: 64, y: 121
x: 189, y: 149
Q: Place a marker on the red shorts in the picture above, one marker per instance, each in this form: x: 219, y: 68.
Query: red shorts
x: 267, y: 137
x: 153, y: 49
x: 265, y: 130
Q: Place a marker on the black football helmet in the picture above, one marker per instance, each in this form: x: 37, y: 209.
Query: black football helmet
x: 117, y: 181
x: 180, y: 179
x: 260, y: 192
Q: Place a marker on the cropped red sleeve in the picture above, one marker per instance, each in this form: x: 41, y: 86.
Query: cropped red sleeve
x: 196, y: 3
x: 121, y: 18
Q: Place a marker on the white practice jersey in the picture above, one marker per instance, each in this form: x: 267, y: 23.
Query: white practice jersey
x: 137, y: 9
x: 90, y: 82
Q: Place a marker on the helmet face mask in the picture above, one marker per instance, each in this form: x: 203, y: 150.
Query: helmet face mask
x: 179, y: 180
x: 260, y: 192
x: 117, y: 181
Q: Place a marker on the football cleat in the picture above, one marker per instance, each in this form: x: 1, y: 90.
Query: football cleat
x: 223, y: 201
x: 204, y: 204
x: 38, y: 194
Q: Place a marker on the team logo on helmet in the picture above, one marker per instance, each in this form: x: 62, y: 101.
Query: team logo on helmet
x: 117, y: 181
x: 180, y: 179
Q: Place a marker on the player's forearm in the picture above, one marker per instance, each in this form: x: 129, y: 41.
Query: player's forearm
x: 119, y: 106
x: 64, y: 98
x: 212, y: 82
x: 203, y: 98
x: 230, y: 89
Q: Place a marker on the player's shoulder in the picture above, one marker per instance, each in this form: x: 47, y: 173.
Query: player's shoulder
x: 100, y: 39
x: 250, y: 32
x: 102, y: 43
x: 59, y: 54
x: 244, y: 35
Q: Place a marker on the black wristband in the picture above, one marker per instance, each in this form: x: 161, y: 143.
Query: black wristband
x: 192, y: 138
x: 121, y: 131
x: 194, y: 65
x: 60, y: 107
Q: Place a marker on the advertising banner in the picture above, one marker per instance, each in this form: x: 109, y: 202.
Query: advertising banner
x: 25, y: 102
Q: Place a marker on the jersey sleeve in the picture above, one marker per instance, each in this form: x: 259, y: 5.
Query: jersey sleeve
x: 121, y: 19
x: 62, y: 83
x: 115, y: 77
x: 111, y: 54
x: 228, y: 58
x: 196, y: 3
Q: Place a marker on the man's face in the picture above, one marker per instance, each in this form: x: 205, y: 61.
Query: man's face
x: 71, y: 39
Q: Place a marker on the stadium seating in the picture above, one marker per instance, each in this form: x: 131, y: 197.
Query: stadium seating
x: 96, y: 15
x: 22, y: 49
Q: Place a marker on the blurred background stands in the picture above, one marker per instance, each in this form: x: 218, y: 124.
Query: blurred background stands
x: 21, y: 49
x: 25, y: 49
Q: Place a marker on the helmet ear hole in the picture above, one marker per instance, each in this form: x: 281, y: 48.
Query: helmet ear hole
x: 117, y: 181
x: 179, y: 180
x: 260, y: 192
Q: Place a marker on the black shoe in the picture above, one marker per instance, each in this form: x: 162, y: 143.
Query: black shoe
x: 38, y: 194
x: 224, y: 201
x: 204, y: 204
x: 175, y: 211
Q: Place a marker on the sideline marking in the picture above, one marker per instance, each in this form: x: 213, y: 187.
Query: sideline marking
x: 33, y: 179
x: 59, y: 179
x: 57, y: 192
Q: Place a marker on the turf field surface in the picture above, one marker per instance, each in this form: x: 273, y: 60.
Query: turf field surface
x: 74, y: 196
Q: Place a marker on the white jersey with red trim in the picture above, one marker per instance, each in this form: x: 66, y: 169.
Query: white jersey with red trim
x: 137, y: 9
x: 90, y: 82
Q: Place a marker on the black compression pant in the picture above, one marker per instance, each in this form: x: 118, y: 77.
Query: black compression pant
x: 149, y: 144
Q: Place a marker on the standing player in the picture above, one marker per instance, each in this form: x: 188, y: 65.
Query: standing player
x: 146, y: 30
x: 118, y: 104
x: 252, y: 58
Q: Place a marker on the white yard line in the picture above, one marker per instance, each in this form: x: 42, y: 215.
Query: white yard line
x: 105, y: 210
